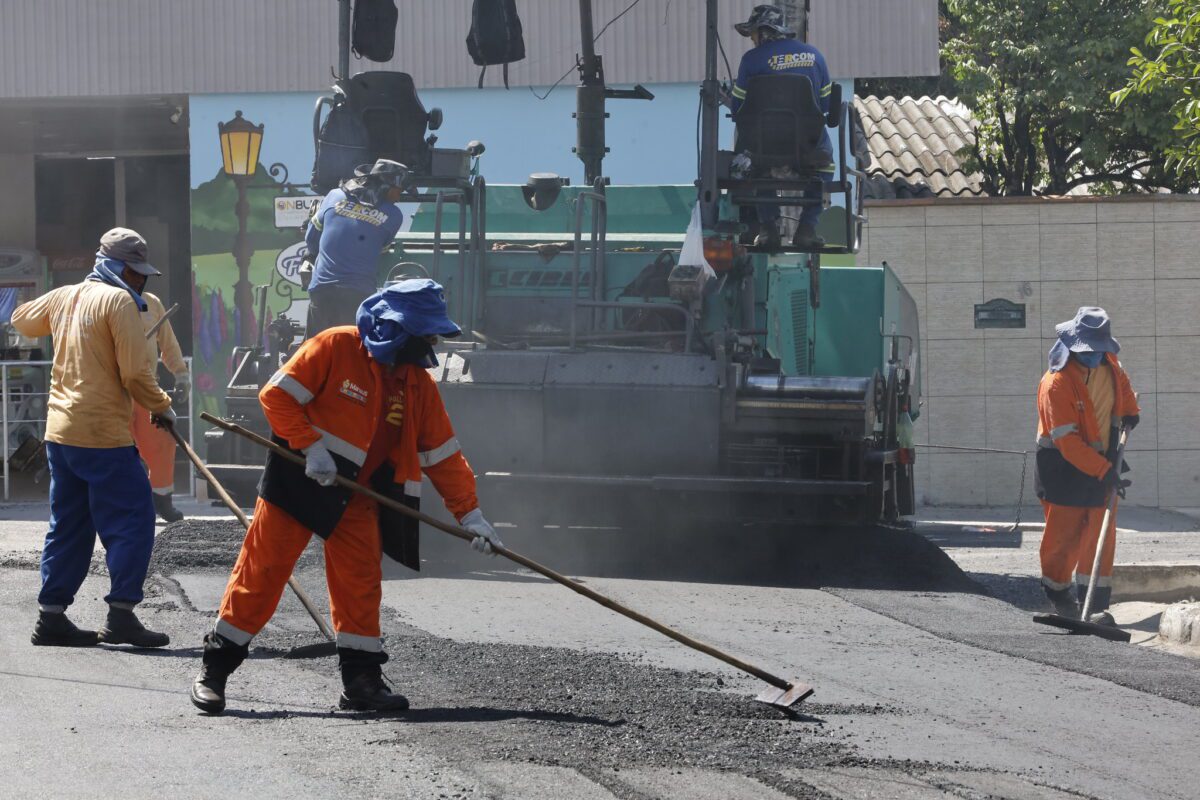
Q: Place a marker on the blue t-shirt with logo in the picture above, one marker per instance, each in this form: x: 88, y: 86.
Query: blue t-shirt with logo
x: 347, y: 237
x: 790, y: 57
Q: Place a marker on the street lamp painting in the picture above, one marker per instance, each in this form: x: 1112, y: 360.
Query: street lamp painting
x: 241, y: 141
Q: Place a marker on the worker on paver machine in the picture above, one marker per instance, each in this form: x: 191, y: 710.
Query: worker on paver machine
x: 345, y: 236
x: 776, y: 51
x: 155, y: 445
x: 97, y: 483
x: 358, y: 402
x: 1084, y: 399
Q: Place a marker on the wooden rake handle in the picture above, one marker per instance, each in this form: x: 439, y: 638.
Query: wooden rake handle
x: 297, y: 589
x: 528, y: 563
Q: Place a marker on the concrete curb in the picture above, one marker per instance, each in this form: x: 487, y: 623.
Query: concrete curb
x: 1180, y: 624
x: 1157, y: 583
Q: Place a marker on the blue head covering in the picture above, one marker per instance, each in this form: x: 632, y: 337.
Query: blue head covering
x: 388, y: 319
x: 108, y: 270
x: 1089, y: 332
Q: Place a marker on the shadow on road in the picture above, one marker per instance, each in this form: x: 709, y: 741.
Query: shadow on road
x: 863, y: 557
x: 485, y: 714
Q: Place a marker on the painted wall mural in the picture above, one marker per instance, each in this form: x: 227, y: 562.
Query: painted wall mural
x: 246, y: 213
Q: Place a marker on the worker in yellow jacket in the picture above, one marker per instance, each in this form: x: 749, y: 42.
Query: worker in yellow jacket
x: 155, y: 445
x: 97, y: 484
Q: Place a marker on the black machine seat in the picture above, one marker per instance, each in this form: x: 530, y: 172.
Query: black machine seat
x: 377, y: 115
x: 394, y: 117
x: 780, y: 124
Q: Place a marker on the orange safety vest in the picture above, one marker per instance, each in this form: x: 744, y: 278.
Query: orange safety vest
x: 1071, y: 460
x: 332, y: 390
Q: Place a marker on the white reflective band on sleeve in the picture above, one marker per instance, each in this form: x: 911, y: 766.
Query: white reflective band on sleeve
x: 1063, y: 430
x: 1050, y: 583
x: 739, y: 93
x: 341, y: 447
x: 412, y: 488
x: 231, y: 633
x: 292, y: 386
x: 352, y: 641
x: 1044, y: 442
x: 1102, y: 582
x: 439, y: 454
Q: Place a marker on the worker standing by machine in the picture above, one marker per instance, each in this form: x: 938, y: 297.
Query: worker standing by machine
x: 358, y: 402
x: 97, y: 483
x: 345, y: 236
x: 155, y: 445
x: 776, y: 51
x: 1084, y: 400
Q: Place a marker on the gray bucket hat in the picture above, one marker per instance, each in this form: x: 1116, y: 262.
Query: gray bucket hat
x: 764, y: 16
x: 1089, y: 332
x: 128, y: 246
x: 384, y: 171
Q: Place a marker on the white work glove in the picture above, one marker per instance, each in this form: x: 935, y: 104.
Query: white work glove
x: 318, y: 464
x: 165, y: 419
x: 485, y: 534
x: 183, y: 384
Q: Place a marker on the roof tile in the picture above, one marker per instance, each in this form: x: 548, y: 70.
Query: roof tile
x: 915, y: 145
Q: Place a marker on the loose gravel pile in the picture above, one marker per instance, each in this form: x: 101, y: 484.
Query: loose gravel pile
x: 211, y: 545
x: 598, y: 711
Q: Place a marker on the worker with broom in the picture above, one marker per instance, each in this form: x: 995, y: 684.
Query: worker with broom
x: 154, y: 444
x: 357, y: 402
x: 97, y: 484
x: 1084, y: 400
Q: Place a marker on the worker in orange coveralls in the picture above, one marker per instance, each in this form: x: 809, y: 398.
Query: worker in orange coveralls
x: 155, y: 445
x: 358, y: 402
x: 1084, y: 400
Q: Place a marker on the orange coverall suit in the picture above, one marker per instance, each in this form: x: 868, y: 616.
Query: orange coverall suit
x: 1074, y: 453
x: 383, y: 428
x: 155, y: 445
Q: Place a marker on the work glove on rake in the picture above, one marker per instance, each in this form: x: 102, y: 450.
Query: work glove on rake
x: 485, y: 534
x: 318, y: 464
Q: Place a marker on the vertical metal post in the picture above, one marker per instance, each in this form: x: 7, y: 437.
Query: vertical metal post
x: 4, y: 396
x: 710, y: 195
x: 343, y: 39
x: 191, y: 418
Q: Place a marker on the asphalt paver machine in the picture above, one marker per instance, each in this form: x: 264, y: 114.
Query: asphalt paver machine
x: 604, y: 379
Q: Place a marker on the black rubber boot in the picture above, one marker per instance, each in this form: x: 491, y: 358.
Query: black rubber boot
x: 767, y: 240
x: 363, y: 684
x: 165, y: 509
x: 53, y: 629
x: 221, y: 658
x: 1064, y: 603
x: 1101, y: 598
x: 806, y: 238
x: 123, y: 627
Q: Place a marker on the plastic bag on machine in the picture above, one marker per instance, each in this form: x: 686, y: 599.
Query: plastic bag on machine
x: 692, y: 253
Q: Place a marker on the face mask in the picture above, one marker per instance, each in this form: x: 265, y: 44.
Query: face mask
x: 416, y: 351
x: 1090, y: 360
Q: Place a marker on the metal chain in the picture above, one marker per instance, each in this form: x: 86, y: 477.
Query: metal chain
x: 1024, y: 454
x: 1016, y: 527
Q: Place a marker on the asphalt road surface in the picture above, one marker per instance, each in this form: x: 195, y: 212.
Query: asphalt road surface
x: 941, y: 688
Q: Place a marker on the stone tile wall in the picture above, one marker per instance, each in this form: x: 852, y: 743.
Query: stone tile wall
x: 1138, y: 257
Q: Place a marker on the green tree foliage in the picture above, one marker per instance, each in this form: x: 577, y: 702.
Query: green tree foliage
x: 1038, y: 76
x: 1172, y: 75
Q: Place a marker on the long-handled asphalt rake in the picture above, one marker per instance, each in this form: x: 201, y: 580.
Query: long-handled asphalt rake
x: 318, y: 650
x: 1082, y: 625
x: 784, y: 693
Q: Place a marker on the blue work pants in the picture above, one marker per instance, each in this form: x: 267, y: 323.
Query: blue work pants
x: 96, y: 490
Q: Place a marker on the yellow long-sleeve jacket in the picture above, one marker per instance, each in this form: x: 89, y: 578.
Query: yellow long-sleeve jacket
x: 101, y: 360
x: 164, y: 340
